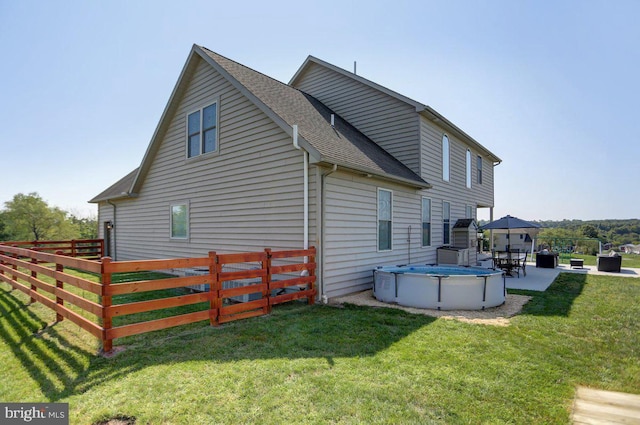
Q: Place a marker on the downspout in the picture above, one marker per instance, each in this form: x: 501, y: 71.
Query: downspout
x: 322, y: 230
x: 113, y: 226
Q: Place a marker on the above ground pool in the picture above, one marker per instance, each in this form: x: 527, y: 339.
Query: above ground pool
x: 440, y: 287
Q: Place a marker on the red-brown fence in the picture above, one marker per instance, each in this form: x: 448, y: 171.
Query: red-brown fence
x: 89, y: 249
x: 23, y: 268
x: 268, y: 283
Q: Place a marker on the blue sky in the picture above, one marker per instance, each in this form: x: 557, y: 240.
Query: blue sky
x: 551, y: 87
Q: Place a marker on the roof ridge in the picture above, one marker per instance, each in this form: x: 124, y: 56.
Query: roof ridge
x: 248, y: 67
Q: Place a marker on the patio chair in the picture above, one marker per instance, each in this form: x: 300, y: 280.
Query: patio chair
x: 521, y: 264
x: 495, y: 258
x: 609, y: 263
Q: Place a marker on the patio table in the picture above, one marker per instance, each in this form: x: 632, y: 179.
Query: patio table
x: 508, y: 261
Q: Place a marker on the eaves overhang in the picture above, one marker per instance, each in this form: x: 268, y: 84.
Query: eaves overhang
x: 418, y: 184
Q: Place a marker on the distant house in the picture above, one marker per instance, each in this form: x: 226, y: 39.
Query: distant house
x: 240, y: 161
x: 630, y: 249
x: 520, y: 240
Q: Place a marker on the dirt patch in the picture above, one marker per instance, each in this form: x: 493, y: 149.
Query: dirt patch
x: 119, y: 420
x: 495, y: 316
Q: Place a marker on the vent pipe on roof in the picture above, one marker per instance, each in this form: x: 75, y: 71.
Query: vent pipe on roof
x: 354, y: 67
x: 333, y: 120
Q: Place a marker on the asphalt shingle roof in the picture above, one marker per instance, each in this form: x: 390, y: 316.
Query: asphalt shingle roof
x: 119, y: 189
x: 342, y: 144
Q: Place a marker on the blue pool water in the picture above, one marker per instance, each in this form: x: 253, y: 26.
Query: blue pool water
x: 439, y: 270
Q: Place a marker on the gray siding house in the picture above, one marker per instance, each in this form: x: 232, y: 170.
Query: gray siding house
x: 240, y: 161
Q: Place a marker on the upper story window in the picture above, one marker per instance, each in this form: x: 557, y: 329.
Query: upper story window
x: 479, y: 167
x: 202, y: 131
x: 426, y: 222
x: 445, y: 158
x: 385, y: 209
x: 468, y: 168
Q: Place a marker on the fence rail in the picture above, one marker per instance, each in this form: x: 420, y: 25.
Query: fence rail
x: 260, y: 286
x: 87, y: 248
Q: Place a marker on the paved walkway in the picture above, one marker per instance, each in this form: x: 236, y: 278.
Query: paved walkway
x: 605, y: 407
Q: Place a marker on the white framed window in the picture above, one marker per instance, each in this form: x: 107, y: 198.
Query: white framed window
x: 445, y: 158
x: 426, y: 222
x: 468, y: 211
x: 202, y: 131
x: 385, y: 218
x: 446, y: 223
x: 479, y: 168
x: 468, y: 168
x: 179, y: 221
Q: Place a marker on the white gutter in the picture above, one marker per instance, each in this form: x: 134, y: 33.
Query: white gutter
x: 323, y: 226
x: 305, y: 156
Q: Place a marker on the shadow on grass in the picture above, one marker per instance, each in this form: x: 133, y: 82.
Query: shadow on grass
x: 51, y: 358
x: 558, y: 299
x: 62, y: 368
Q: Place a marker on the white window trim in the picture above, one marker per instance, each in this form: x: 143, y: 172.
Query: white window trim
x: 179, y: 238
x: 216, y: 102
x: 469, y: 208
x: 443, y: 241
x: 378, y: 190
x: 430, y: 221
x: 468, y: 168
x: 446, y: 160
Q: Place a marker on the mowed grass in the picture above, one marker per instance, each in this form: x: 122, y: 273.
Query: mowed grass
x: 322, y: 364
x: 628, y: 260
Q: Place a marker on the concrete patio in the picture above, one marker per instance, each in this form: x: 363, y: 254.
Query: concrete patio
x: 539, y: 279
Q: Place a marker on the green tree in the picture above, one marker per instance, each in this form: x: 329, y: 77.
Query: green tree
x: 87, y: 227
x: 4, y: 235
x: 29, y: 217
x: 589, y: 231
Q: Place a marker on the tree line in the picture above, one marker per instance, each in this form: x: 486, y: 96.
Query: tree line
x: 29, y: 218
x: 615, y: 232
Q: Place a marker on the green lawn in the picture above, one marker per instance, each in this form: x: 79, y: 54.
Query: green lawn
x: 321, y: 364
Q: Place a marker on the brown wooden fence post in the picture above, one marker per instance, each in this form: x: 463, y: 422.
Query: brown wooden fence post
x: 74, y: 252
x: 59, y: 284
x: 107, y: 343
x: 34, y: 274
x: 267, y: 280
x: 312, y: 272
x: 214, y: 293
x: 15, y: 267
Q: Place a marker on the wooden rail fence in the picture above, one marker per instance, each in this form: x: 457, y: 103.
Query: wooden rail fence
x: 89, y: 249
x: 272, y: 278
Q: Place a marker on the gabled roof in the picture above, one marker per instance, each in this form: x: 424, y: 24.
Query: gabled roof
x: 424, y: 110
x: 341, y: 145
x: 465, y: 223
x: 120, y: 189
